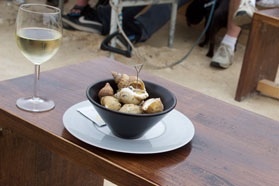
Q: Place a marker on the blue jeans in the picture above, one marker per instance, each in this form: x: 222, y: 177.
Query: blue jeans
x: 156, y: 17
x: 151, y: 21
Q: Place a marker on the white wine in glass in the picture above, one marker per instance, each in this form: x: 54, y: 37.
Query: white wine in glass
x: 38, y: 36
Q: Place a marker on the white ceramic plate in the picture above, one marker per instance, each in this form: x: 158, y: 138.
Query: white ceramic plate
x: 173, y: 131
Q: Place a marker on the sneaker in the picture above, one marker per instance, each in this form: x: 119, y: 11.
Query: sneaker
x: 87, y: 22
x: 243, y: 16
x: 223, y: 58
x: 78, y: 11
x: 268, y: 3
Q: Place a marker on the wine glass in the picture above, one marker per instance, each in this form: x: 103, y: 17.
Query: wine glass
x: 38, y: 36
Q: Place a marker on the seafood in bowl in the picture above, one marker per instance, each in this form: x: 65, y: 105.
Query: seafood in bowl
x: 130, y: 91
x: 132, y: 120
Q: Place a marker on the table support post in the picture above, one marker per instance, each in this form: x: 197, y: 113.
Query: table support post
x: 261, y: 57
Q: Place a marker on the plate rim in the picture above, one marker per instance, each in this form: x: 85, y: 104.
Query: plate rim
x: 87, y: 103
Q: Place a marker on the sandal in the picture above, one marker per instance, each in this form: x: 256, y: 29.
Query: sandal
x: 79, y: 11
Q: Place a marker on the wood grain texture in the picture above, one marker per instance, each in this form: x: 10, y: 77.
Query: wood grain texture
x: 231, y: 146
x: 269, y: 16
x: 261, y: 55
x: 268, y: 88
x: 23, y: 162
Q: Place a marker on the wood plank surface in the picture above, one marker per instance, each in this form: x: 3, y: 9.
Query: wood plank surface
x: 268, y: 88
x: 231, y: 146
x: 25, y: 163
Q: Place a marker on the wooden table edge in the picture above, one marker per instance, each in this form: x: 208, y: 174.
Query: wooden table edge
x: 70, y: 150
x: 265, y: 17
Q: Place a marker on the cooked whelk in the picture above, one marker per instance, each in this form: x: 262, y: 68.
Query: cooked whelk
x: 106, y: 91
x: 131, y: 108
x: 153, y: 105
x: 136, y: 83
x: 123, y: 81
x: 131, y: 96
x: 110, y: 102
x: 132, y: 93
x: 116, y: 76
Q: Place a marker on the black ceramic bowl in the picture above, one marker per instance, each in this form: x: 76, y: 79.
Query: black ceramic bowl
x: 127, y: 125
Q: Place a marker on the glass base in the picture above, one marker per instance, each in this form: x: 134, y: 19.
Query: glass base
x: 35, y: 104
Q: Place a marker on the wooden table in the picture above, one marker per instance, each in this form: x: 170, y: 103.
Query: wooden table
x: 231, y: 146
x: 260, y: 61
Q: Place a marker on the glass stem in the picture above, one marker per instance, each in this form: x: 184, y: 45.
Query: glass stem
x: 36, y: 81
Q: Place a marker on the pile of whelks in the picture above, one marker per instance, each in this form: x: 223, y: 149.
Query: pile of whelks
x: 131, y: 96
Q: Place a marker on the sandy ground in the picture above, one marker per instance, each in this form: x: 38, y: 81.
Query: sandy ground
x: 193, y: 73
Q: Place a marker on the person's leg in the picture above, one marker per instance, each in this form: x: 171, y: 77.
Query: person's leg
x: 223, y: 58
x: 79, y: 7
x: 154, y: 18
x: 83, y: 18
x: 232, y: 30
x: 146, y: 24
x: 97, y: 20
x: 53, y: 2
x: 128, y: 13
x: 82, y: 2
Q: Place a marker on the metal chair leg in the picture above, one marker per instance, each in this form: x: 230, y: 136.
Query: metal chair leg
x: 61, y: 5
x: 172, y: 23
x: 113, y: 24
